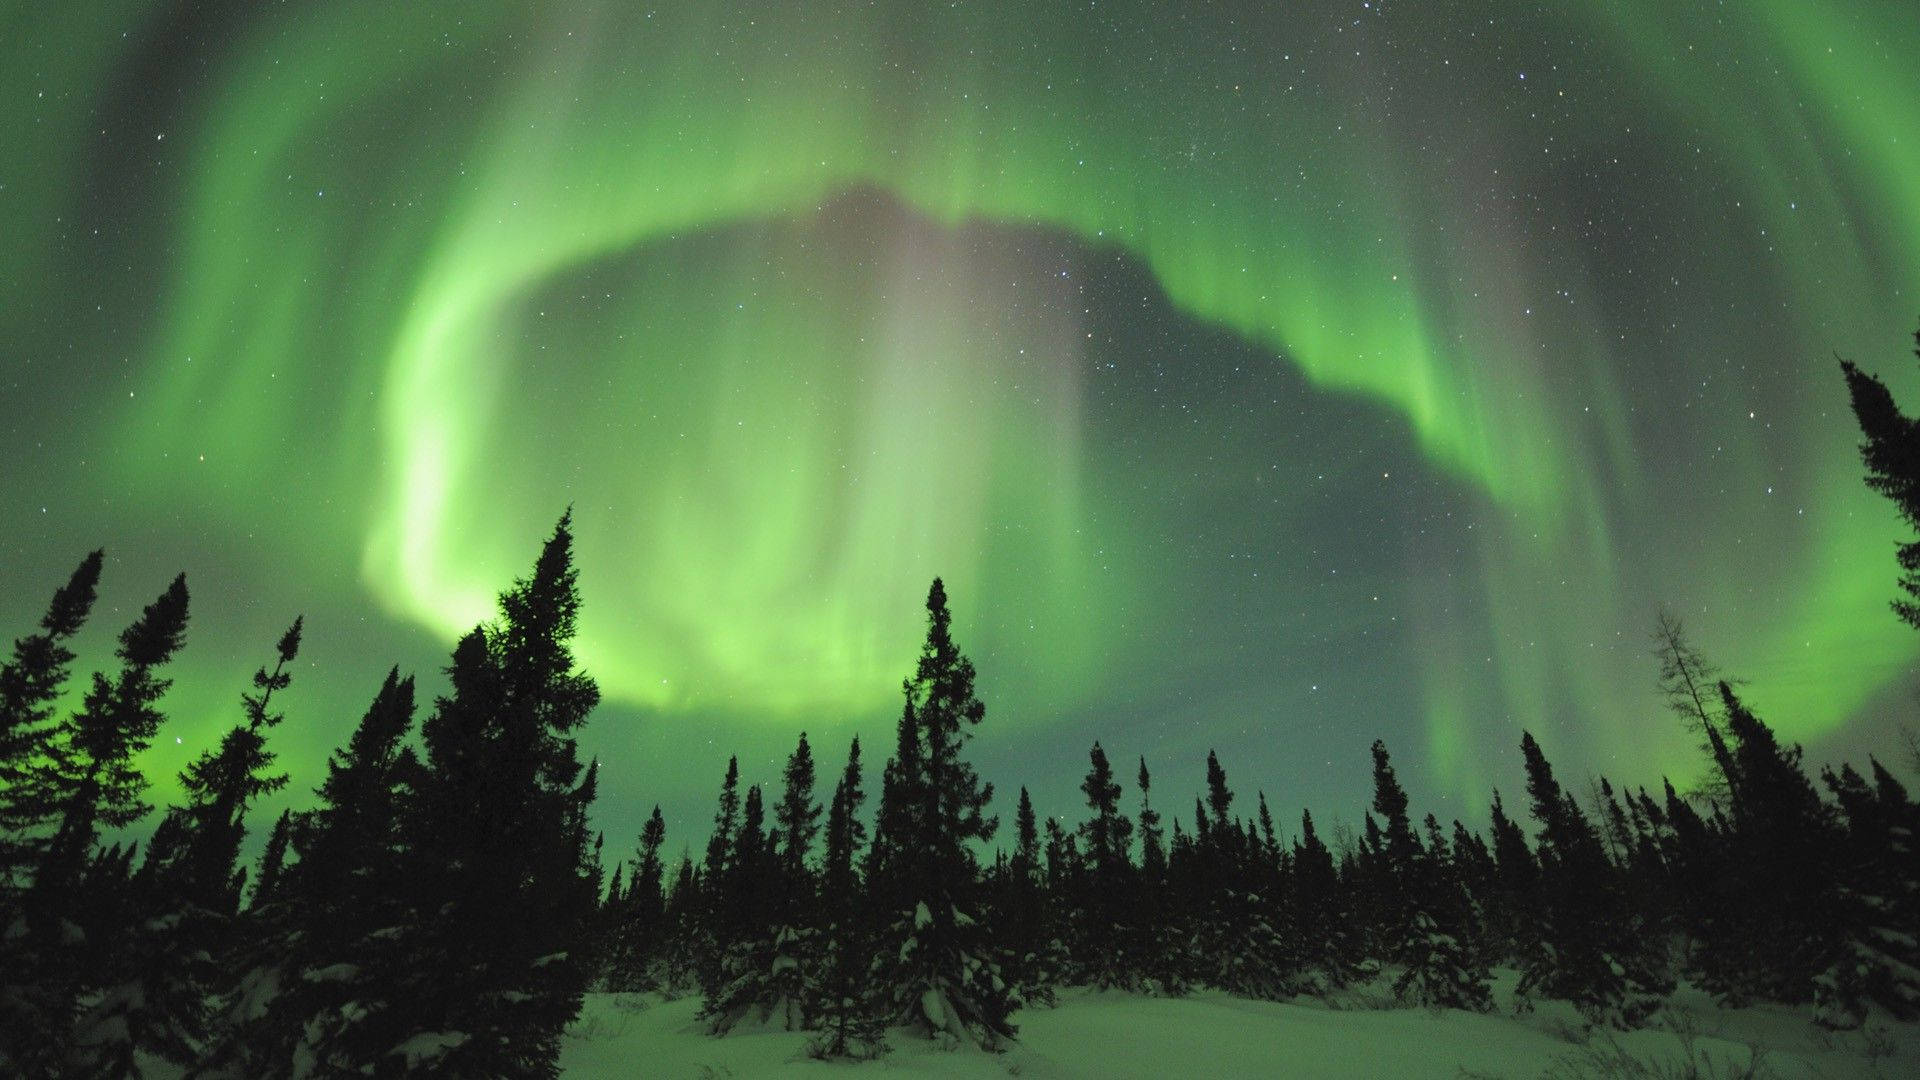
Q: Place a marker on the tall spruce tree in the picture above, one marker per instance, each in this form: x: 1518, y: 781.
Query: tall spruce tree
x: 1593, y: 951
x: 1876, y: 960
x: 501, y: 917
x: 1513, y: 900
x: 847, y: 1019
x: 1890, y: 451
x: 1430, y: 927
x: 1320, y: 918
x: 639, y: 914
x: 1032, y: 961
x: 80, y: 909
x: 1775, y: 932
x: 1105, y: 945
x: 194, y: 942
x: 799, y: 818
x: 1239, y: 944
x: 31, y: 681
x: 317, y: 988
x: 937, y: 967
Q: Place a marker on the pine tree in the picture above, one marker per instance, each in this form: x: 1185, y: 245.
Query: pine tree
x: 1430, y: 928
x: 1238, y: 944
x: 745, y: 924
x: 97, y: 783
x: 72, y: 940
x: 1032, y: 952
x: 704, y: 937
x: 312, y: 958
x: 639, y: 914
x: 1877, y: 904
x: 192, y: 885
x: 1104, y: 944
x: 273, y: 860
x: 938, y: 972
x: 799, y: 818
x: 768, y: 913
x: 1593, y: 951
x: 1319, y: 916
x: 1163, y: 961
x: 1891, y: 454
x: 501, y: 917
x: 1775, y: 932
x: 848, y: 1022
x: 31, y: 681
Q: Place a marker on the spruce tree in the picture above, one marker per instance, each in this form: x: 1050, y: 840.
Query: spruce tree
x: 1238, y: 943
x: 1876, y: 905
x: 1891, y: 453
x: 319, y: 990
x: 1031, y: 950
x: 937, y: 967
x: 193, y: 884
x: 77, y: 915
x: 31, y: 681
x: 1163, y: 959
x: 639, y: 914
x: 1105, y: 945
x: 847, y: 1019
x: 1429, y: 928
x: 1776, y: 931
x: 1319, y: 916
x: 1593, y: 951
x: 502, y: 918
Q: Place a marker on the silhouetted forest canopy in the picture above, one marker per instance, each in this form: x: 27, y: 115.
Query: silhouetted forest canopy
x: 442, y: 903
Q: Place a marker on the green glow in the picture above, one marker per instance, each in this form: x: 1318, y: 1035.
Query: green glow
x: 440, y: 276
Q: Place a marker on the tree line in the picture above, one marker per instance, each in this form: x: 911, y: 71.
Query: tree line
x: 443, y: 904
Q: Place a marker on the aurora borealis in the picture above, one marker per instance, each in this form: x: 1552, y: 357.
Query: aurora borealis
x: 1261, y: 377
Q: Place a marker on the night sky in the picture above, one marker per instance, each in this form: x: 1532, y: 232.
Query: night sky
x: 1261, y: 377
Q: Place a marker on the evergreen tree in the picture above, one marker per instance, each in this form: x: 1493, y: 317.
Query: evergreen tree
x: 1877, y: 960
x: 1776, y: 929
x: 1032, y: 960
x: 1430, y: 929
x: 937, y: 972
x: 754, y: 943
x: 191, y: 887
x: 318, y: 986
x: 848, y: 1021
x: 1891, y: 454
x: 96, y: 782
x: 31, y: 681
x: 639, y: 914
x: 1592, y: 951
x: 71, y: 937
x: 1320, y: 918
x: 273, y: 860
x: 1238, y: 943
x: 799, y: 818
x: 1163, y: 960
x: 1104, y: 953
x: 501, y: 916
x: 704, y: 933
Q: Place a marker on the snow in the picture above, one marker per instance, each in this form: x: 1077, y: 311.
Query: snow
x: 429, y: 1047
x: 1355, y: 1034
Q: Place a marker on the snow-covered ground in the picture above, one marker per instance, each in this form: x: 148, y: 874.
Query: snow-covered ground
x: 1118, y: 1036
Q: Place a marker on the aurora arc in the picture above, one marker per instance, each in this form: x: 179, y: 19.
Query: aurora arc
x: 375, y: 200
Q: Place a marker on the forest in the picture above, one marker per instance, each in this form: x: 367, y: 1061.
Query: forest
x: 443, y: 904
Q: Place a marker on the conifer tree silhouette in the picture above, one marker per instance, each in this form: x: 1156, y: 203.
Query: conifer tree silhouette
x: 31, y: 681
x: 938, y: 969
x: 1891, y: 453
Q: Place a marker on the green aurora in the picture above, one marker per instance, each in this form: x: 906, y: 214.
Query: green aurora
x: 1263, y: 376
